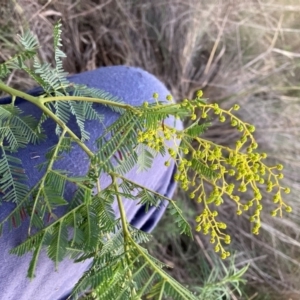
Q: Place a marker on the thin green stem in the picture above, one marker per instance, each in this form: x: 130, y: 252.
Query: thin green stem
x: 13, y: 92
x: 98, y: 186
x: 157, y: 269
x: 42, y: 101
x: 142, y: 187
x: 18, y: 206
x: 42, y: 181
x: 161, y: 293
x: 87, y: 99
x: 38, y: 102
x: 122, y: 211
x: 127, y: 236
x: 54, y: 223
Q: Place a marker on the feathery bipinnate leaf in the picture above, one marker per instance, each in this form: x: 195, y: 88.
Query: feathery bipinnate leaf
x: 118, y: 142
x: 196, y: 129
x: 54, y: 80
x: 179, y: 219
x: 145, y: 157
x: 90, y: 227
x: 29, y: 41
x: 105, y: 275
x: 58, y: 243
x: 28, y: 245
x: 78, y: 110
x: 86, y: 224
x: 54, y: 83
x: 55, y: 152
x: 149, y: 198
x: 141, y: 273
x: 30, y: 44
x: 139, y: 236
x: 203, y: 170
x: 18, y: 130
x: 83, y: 90
x: 155, y: 114
x: 56, y: 238
x: 35, y: 257
x: 171, y: 287
x: 106, y: 215
x: 49, y: 191
x: 13, y: 178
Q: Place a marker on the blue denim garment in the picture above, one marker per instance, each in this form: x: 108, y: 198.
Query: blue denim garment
x: 133, y: 86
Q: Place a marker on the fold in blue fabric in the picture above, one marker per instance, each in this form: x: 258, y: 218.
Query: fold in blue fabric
x: 133, y: 86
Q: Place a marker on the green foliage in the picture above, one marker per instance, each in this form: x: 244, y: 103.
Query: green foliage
x: 216, y: 288
x: 17, y: 130
x: 13, y: 178
x: 30, y: 44
x: 121, y: 268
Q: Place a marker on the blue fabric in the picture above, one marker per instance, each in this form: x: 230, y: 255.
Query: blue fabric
x: 133, y: 86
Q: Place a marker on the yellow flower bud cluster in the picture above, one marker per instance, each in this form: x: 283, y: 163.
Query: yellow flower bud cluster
x: 243, y: 163
x: 156, y: 96
x: 201, y: 163
x: 157, y: 138
x: 207, y: 224
x: 150, y: 138
x: 250, y: 173
x: 182, y: 174
x: 193, y: 105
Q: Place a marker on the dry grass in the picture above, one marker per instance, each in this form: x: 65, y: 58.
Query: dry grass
x: 237, y: 51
